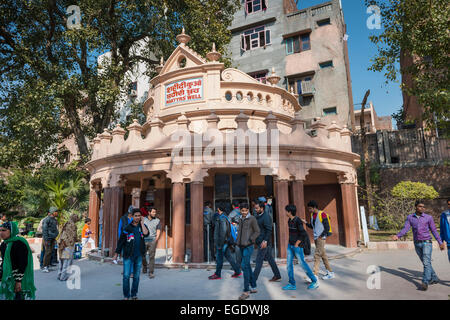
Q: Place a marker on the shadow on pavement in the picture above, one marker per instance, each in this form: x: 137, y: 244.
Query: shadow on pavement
x: 413, y: 276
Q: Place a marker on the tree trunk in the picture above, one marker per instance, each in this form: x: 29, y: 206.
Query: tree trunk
x: 365, y: 149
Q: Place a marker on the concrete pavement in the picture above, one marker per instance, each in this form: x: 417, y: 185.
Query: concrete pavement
x: 400, y: 273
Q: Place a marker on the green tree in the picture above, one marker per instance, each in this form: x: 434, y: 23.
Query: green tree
x: 51, y: 85
x: 418, y: 29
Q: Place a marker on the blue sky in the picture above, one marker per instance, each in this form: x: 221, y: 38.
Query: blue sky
x: 387, y: 98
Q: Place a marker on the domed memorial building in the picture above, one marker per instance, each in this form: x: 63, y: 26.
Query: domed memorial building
x: 218, y: 134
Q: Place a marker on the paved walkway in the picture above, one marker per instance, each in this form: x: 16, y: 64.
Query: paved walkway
x: 333, y: 251
x: 401, y: 272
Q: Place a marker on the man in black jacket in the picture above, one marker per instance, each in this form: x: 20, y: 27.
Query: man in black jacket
x: 222, y: 244
x: 49, y: 234
x: 264, y: 243
x: 132, y: 242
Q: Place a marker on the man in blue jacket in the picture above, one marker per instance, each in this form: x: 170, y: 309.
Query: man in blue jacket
x: 445, y: 227
x: 132, y: 243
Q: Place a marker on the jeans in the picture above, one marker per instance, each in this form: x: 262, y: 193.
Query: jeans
x: 225, y: 251
x: 298, y: 252
x: 266, y: 254
x: 424, y: 250
x: 128, y: 264
x: 249, y: 277
x: 448, y: 252
x: 63, y: 267
x: 100, y: 237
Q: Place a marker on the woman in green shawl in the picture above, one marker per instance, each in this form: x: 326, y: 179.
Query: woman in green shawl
x: 16, y: 270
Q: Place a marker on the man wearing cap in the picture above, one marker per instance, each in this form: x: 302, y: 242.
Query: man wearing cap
x: 49, y: 234
x: 267, y: 207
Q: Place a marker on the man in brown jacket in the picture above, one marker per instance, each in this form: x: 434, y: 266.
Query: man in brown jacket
x: 246, y: 239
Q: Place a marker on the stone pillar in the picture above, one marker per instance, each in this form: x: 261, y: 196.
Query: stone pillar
x: 350, y: 214
x: 281, y: 190
x: 112, y: 211
x: 298, y: 195
x: 94, y: 208
x: 197, y: 221
x: 160, y: 205
x: 179, y: 221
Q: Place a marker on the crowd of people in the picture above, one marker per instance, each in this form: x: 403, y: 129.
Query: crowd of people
x: 234, y: 235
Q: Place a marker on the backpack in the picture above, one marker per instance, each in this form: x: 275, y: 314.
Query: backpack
x: 321, y: 219
x: 232, y: 232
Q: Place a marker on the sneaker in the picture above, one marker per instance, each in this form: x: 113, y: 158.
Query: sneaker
x: 236, y: 275
x: 45, y: 269
x: 329, y: 275
x: 275, y: 279
x: 289, y: 287
x: 134, y: 298
x: 307, y: 279
x: 253, y: 290
x: 313, y: 285
x: 151, y: 275
x: 434, y: 281
x: 423, y: 287
x: 214, y: 277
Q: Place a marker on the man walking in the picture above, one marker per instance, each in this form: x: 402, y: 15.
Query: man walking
x: 153, y: 225
x: 445, y: 227
x: 86, y: 234
x: 320, y: 225
x: 49, y: 234
x: 297, y: 235
x: 132, y: 243
x: 264, y: 243
x: 422, y: 224
x: 223, y: 247
x: 208, y: 237
x: 100, y: 226
x: 126, y: 219
x: 246, y: 239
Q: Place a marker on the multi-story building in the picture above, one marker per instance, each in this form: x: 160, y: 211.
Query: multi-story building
x: 307, y: 48
x: 372, y: 121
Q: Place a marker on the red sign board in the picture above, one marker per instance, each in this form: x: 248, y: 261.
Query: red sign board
x: 184, y: 91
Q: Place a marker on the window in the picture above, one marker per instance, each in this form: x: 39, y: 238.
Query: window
x: 298, y: 44
x: 302, y: 86
x: 260, y: 76
x: 324, y: 22
x: 255, y: 38
x: 330, y: 111
x: 327, y: 64
x: 229, y: 187
x: 252, y: 6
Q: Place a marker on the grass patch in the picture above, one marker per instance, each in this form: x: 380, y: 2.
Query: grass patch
x: 386, y: 235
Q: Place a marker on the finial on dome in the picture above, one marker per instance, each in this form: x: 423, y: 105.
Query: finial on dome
x: 273, y: 79
x: 161, y: 65
x: 213, y: 55
x: 183, y: 38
